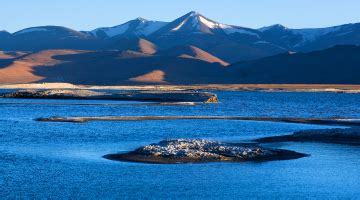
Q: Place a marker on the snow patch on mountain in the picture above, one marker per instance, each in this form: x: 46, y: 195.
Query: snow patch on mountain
x: 307, y: 34
x: 312, y: 34
x: 179, y: 26
x: 192, y: 19
x: 209, y: 23
x: 226, y: 28
x: 230, y: 30
x: 139, y: 26
x: 114, y: 31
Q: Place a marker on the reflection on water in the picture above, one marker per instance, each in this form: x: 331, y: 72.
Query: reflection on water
x: 65, y: 159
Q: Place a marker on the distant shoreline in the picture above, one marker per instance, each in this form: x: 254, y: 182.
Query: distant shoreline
x: 315, y: 121
x: 339, y: 88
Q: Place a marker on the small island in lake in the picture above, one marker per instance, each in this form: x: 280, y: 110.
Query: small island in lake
x: 200, y: 151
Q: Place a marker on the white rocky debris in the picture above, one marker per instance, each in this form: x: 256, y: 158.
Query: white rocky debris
x: 203, y: 149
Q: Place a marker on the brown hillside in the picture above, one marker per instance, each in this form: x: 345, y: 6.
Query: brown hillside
x: 192, y: 52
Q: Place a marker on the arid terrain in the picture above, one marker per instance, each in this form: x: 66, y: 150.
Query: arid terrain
x: 182, y: 65
x: 232, y: 87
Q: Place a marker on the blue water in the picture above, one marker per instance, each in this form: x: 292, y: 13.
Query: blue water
x: 64, y: 160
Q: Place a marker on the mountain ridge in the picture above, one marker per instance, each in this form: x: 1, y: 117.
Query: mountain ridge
x: 230, y: 43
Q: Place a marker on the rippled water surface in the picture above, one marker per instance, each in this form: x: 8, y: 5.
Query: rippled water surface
x: 39, y: 159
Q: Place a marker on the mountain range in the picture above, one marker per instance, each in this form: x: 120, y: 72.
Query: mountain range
x: 229, y: 43
x: 192, y: 49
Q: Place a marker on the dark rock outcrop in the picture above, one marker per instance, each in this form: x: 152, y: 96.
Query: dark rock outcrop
x: 198, y: 151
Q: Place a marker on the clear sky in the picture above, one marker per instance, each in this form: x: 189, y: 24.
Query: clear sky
x: 90, y: 14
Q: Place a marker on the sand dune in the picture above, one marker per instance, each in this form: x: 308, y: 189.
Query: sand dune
x: 21, y: 70
x: 156, y: 76
x: 147, y: 47
x: 12, y: 55
x: 115, y: 68
x: 179, y: 66
x: 192, y: 52
x: 105, y: 68
x: 135, y: 44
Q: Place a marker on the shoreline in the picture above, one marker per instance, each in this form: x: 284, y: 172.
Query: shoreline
x: 339, y: 88
x: 282, y: 154
x: 348, y: 136
x: 145, y: 96
x: 316, y: 121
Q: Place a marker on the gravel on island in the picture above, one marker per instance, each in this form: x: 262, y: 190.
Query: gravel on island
x: 200, y: 151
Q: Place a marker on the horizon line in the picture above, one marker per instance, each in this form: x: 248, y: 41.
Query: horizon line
x: 139, y: 17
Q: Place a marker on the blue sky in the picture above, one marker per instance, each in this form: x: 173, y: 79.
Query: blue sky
x: 90, y: 14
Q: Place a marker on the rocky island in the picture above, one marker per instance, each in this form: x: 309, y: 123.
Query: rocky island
x: 153, y: 96
x: 200, y: 151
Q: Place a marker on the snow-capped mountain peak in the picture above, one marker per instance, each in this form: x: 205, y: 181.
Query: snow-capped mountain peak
x: 137, y: 27
x: 196, y: 23
x: 190, y: 20
x: 193, y: 13
x: 141, y: 19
